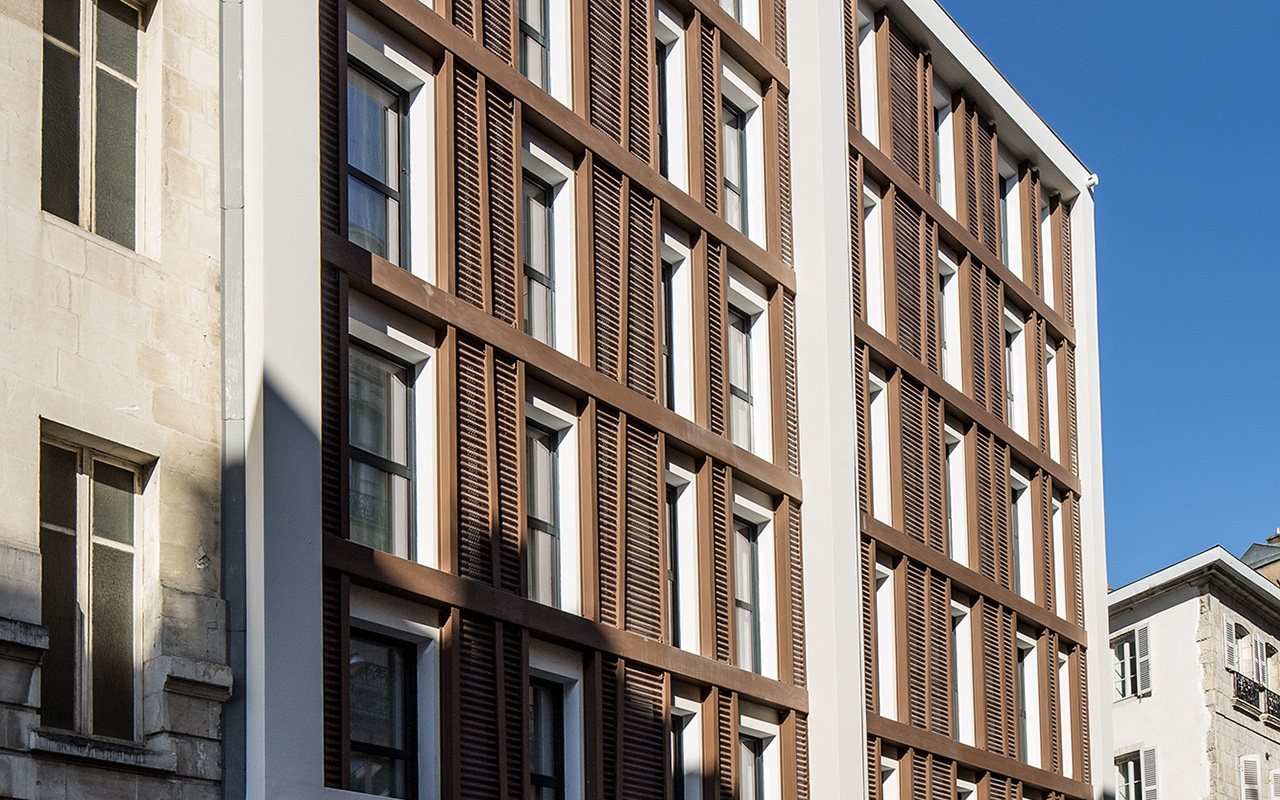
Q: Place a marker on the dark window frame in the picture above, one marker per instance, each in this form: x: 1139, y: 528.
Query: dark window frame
x: 401, y: 195
x: 756, y: 746
x: 673, y: 565
x: 550, y: 527
x: 743, y: 322
x: 662, y: 121
x: 542, y: 37
x: 545, y: 194
x: 735, y: 119
x: 753, y: 605
x: 556, y: 783
x: 668, y: 334
x: 409, y: 694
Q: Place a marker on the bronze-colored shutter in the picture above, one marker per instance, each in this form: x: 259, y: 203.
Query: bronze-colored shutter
x: 802, y: 757
x: 508, y: 406
x: 935, y: 461
x: 500, y: 121
x: 333, y: 91
x: 1040, y: 435
x: 992, y: 681
x: 977, y: 338
x: 639, y: 125
x: 968, y: 210
x: 942, y: 778
x: 905, y: 66
x: 939, y: 659
x: 784, y: 168
x: 1008, y: 664
x: 863, y: 410
x: 1077, y: 558
x: 611, y: 724
x: 728, y: 744
x: 604, y: 66
x: 644, y: 755
x: 1044, y: 487
x: 1004, y: 535
x: 333, y: 621
x: 798, y: 661
x: 495, y: 23
x: 869, y: 677
x: 852, y: 100
x: 780, y: 29
x: 1082, y: 706
x: 642, y: 294
x: 645, y: 571
x: 464, y: 14
x: 606, y: 227
x: 917, y: 649
x: 873, y: 769
x: 914, y: 473
x: 608, y: 432
x: 1073, y: 448
x: 333, y: 390
x: 999, y: 788
x: 1031, y: 225
x: 994, y: 321
x: 790, y: 381
x: 468, y: 239
x: 478, y: 693
x: 908, y: 233
x: 710, y: 64
x: 917, y: 766
x: 716, y: 322
x: 987, y: 534
x: 988, y: 183
x: 515, y: 675
x: 720, y: 524
x: 1067, y: 293
x: 1049, y: 645
x: 929, y: 298
x: 475, y: 551
x: 855, y: 236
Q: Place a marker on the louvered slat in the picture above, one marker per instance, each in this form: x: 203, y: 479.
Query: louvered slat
x: 606, y: 228
x: 988, y: 185
x: 1045, y: 502
x: 987, y: 534
x: 642, y: 291
x: 332, y: 380
x: 331, y: 92
x: 333, y: 666
x: 784, y: 171
x: 856, y: 256
x: 993, y: 320
x: 802, y: 757
x: 1083, y: 708
x: 1067, y: 295
x: 977, y: 337
x: 644, y: 568
x: 860, y: 359
x: 780, y: 29
x: 604, y: 66
x: 709, y: 62
x: 868, y: 623
x: 475, y: 556
x: 507, y: 404
x: 939, y: 659
x: 716, y: 311
x: 929, y: 281
x: 500, y: 133
x: 942, y: 778
x: 608, y: 503
x: 728, y: 746
x: 908, y: 279
x: 873, y: 769
x: 904, y: 103
x: 917, y: 646
x: 464, y: 16
x: 639, y: 118
x: 911, y: 414
x: 994, y: 716
x: 1077, y: 555
x: 790, y: 379
x: 1008, y: 664
x: 1000, y: 490
x: 478, y: 744
x: 611, y: 724
x: 514, y: 693
x: 643, y: 770
x: 1073, y: 444
x: 798, y: 663
x: 851, y: 63
x: 720, y: 557
x: 935, y: 462
x: 468, y: 242
x: 495, y: 23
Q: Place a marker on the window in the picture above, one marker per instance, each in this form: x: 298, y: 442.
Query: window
x: 1261, y: 661
x: 742, y: 148
x: 686, y: 743
x: 873, y: 250
x: 548, y: 234
x: 1132, y: 657
x: 956, y: 493
x: 740, y: 412
x: 735, y: 168
x: 1015, y: 371
x: 944, y: 150
x: 962, y: 671
x: 546, y: 744
x: 556, y: 744
x: 682, y: 552
x: 677, y: 321
x: 1129, y: 777
x: 1235, y: 636
x: 1136, y: 776
x: 966, y: 788
x: 949, y: 316
x: 1028, y: 702
x: 890, y: 788
x: 88, y: 541
x: 391, y: 471
x: 1010, y: 216
x: 746, y: 593
x: 539, y: 261
x: 1046, y: 250
x: 1250, y: 777
x: 755, y: 603
x: 377, y: 164
x: 868, y: 104
x: 759, y: 765
x: 750, y: 768
x: 89, y: 144
x: 535, y: 42
x: 878, y: 444
x: 1020, y: 534
x: 1065, y: 715
x: 551, y: 500
x: 886, y: 641
x: 672, y: 117
x: 1059, y: 558
x: 382, y: 726
x: 1051, y: 401
x: 748, y: 365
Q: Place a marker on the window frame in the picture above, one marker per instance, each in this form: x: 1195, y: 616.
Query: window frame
x: 408, y: 753
x: 749, y: 300
x: 542, y: 38
x: 686, y: 706
x: 748, y: 531
x: 944, y: 157
x: 1009, y: 208
x: 741, y: 322
x: 556, y: 783
x: 1022, y: 533
x: 545, y: 194
x: 535, y: 430
x: 563, y: 666
x: 558, y: 413
x: 733, y: 123
x: 543, y: 160
x: 675, y: 254
x: 873, y: 250
x: 742, y: 93
x: 949, y: 311
x: 886, y: 638
x: 401, y: 257
x: 1014, y: 357
x: 964, y: 726
x: 880, y: 463
x: 672, y: 101
x: 956, y: 490
x: 681, y: 480
x: 1027, y: 679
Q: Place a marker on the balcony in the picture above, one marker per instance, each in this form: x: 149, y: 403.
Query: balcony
x: 1255, y: 699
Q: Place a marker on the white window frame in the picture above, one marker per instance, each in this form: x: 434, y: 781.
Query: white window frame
x: 886, y: 639
x: 686, y: 704
x: 681, y: 475
x: 675, y: 249
x: 558, y: 412
x: 1047, y: 254
x: 1131, y: 657
x: 1010, y: 211
x: 1052, y: 420
x: 956, y: 491
x: 878, y: 444
x: 949, y: 307
x: 868, y: 101
x: 418, y: 625
x: 1234, y: 634
x: 754, y: 506
x: 1059, y: 557
x: 962, y: 649
x: 403, y: 66
x: 1015, y: 332
x: 1024, y: 539
x: 553, y: 165
x: 873, y: 249
x: 966, y: 789
x: 945, y: 151
x: 669, y: 29
x: 1066, y: 718
x: 741, y: 90
x: 890, y: 778
x: 563, y: 666
x: 373, y: 324
x: 748, y: 297
x: 1029, y: 663
x: 762, y: 724
x: 1129, y: 776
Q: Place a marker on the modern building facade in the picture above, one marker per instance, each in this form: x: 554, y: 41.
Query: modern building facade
x: 1195, y: 698
x: 113, y: 634
x: 949, y: 410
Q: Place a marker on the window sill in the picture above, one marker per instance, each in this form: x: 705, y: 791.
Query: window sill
x: 1246, y: 708
x: 102, y: 750
x: 96, y: 239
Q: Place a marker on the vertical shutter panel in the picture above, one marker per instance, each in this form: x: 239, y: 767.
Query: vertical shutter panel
x: 917, y: 650
x: 495, y: 23
x: 780, y: 30
x: 478, y: 712
x: 1275, y: 784
x: 1031, y: 224
x: 790, y: 381
x: 1086, y: 756
x: 856, y: 256
x: 864, y: 421
x: 986, y: 505
x: 1004, y: 538
x: 798, y: 660
x: 969, y: 122
x: 919, y: 775
x: 333, y: 345
x: 873, y: 769
x: 935, y: 462
x: 1035, y: 325
x: 802, y: 757
x: 468, y: 258
x: 1044, y: 485
x: 942, y: 778
x: 1259, y: 660
x: 507, y: 405
x: 716, y: 315
x: 710, y: 46
x: 728, y: 742
x: 868, y: 623
x: 977, y: 333
x: 911, y: 413
x: 1067, y: 294
x: 720, y: 557
x: 1150, y: 786
x: 1050, y: 648
x: 515, y: 679
x: 993, y: 319
x: 1144, y: 659
x: 851, y: 63
x: 639, y: 54
x: 500, y: 123
x: 642, y: 290
x: 991, y: 661
x: 908, y: 281
x: 643, y: 769
x: 939, y: 659
x: 988, y: 184
x: 1250, y: 779
x: 606, y: 203
x: 1232, y: 644
x: 644, y: 568
x: 332, y: 92
x: 604, y: 70
x: 475, y: 556
x: 929, y: 298
x: 1072, y: 440
x: 904, y: 103
x: 1077, y: 558
x: 464, y: 16
x: 784, y: 167
x: 1009, y: 646
x: 611, y: 727
x: 332, y: 621
x: 607, y: 499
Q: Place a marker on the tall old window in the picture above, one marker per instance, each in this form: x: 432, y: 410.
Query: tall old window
x: 381, y: 424
x: 539, y: 262
x: 377, y: 165
x: 383, y: 730
x: 544, y: 514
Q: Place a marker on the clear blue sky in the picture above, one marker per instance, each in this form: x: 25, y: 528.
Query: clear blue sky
x: 1174, y: 105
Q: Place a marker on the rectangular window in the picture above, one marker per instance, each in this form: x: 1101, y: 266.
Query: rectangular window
x: 87, y: 576
x: 383, y: 729
x: 890, y: 788
x: 556, y: 741
x: 1020, y: 534
x: 1028, y: 702
x: 949, y: 316
x: 1059, y: 558
x: 1051, y: 401
x: 1132, y: 659
x: 878, y: 444
x: 1065, y: 717
x: 750, y: 768
x: 1046, y: 251
x: 682, y: 552
x: 886, y: 642
x: 742, y: 148
x: 671, y: 518
x: 552, y: 538
x: 377, y: 165
x: 89, y: 139
x: 1015, y: 371
x: 746, y: 593
x: 749, y: 364
x: 677, y: 322
x: 868, y: 103
x: 956, y: 493
x: 1136, y: 777
x: 1010, y: 216
x: 546, y: 744
x: 1129, y: 778
x: 663, y: 122
x: 535, y: 42
x: 539, y: 261
x: 672, y: 113
x: 741, y: 418
x: 735, y: 168
x: 873, y: 252
x: 962, y: 719
x: 380, y: 419
x: 544, y: 517
x: 944, y: 150
x: 686, y: 743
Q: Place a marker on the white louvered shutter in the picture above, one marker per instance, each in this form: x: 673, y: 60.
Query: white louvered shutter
x: 1259, y: 657
x: 1250, y: 778
x: 1275, y: 784
x: 1150, y: 786
x: 1144, y: 660
x: 1229, y: 639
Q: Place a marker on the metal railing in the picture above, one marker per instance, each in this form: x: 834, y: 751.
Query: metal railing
x: 1249, y: 691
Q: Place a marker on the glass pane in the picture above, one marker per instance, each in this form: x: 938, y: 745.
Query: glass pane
x: 58, y: 613
x: 532, y: 14
x: 377, y: 775
x: 115, y: 156
x: 732, y: 148
x: 367, y: 217
x: 544, y: 555
x: 378, y: 406
x: 740, y: 421
x: 111, y: 641
x: 739, y: 353
x: 538, y: 311
x: 118, y: 37
x: 537, y: 233
x: 376, y: 683
x: 747, y: 767
x: 744, y: 620
x: 62, y: 21
x: 58, y: 486
x: 541, y: 455
x: 112, y: 502
x: 370, y: 127
x: 733, y: 208
x: 533, y: 60
x: 544, y: 720
x: 60, y: 134
x: 744, y: 566
x: 379, y: 509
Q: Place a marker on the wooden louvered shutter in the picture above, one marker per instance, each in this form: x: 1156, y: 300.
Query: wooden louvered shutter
x: 639, y: 110
x: 911, y: 413
x: 611, y: 723
x: 967, y: 211
x: 942, y: 778
x: 1150, y: 783
x: 334, y: 496
x: 1004, y: 532
x: 728, y: 745
x: 1049, y: 646
x: 333, y: 621
x: 993, y: 321
x: 1082, y: 699
x: 992, y: 670
x: 870, y: 677
x: 1067, y: 293
x: 917, y: 649
x: 606, y: 227
x: 908, y: 261
x: 1073, y: 444
x: 802, y: 756
x: 468, y: 278
x: 503, y: 188
x: 508, y: 427
x: 796, y: 565
x: 977, y: 333
x: 721, y: 521
x: 856, y: 256
x: 935, y: 462
x: 1044, y: 502
x: 478, y: 693
x: 496, y: 30
x: 873, y: 769
x: 604, y: 67
x: 710, y: 68
x: 988, y: 177
x: 642, y: 555
x: 464, y: 15
x: 642, y: 294
x: 475, y: 553
x: 515, y: 678
x: 1033, y: 258
x: 784, y: 170
x: 1008, y: 664
x: 863, y: 412
x: 609, y: 505
x: 333, y: 94
x: 717, y: 314
x: 987, y: 533
x: 790, y: 381
x: 644, y: 769
x: 916, y: 765
x: 906, y: 67
x: 1077, y: 562
x: 851, y: 100
x: 1036, y: 361
x: 929, y: 296
x: 939, y: 659
x: 1142, y: 642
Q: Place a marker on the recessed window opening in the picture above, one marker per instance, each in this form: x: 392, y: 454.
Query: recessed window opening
x: 1015, y: 371
x: 672, y: 122
x: 552, y: 545
x: 886, y: 641
x: 746, y: 592
x: 677, y: 321
x: 735, y: 168
x: 381, y: 681
x: 759, y: 763
x: 749, y: 364
x: 956, y: 493
x: 544, y: 515
x: 1059, y: 558
x: 873, y: 249
x: 381, y: 428
x: 535, y: 42
x: 1010, y: 216
x: 962, y: 688
x: 548, y: 236
x: 1028, y: 702
x: 949, y: 315
x: 1052, y: 419
x: 686, y: 743
x: 546, y: 745
x: 868, y: 102
x: 539, y: 261
x: 1020, y: 533
x: 742, y: 149
x: 878, y: 444
x: 1046, y: 251
x: 944, y: 153
x: 682, y: 552
x: 890, y: 781
x: 740, y: 401
x: 556, y: 741
x: 1065, y: 705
